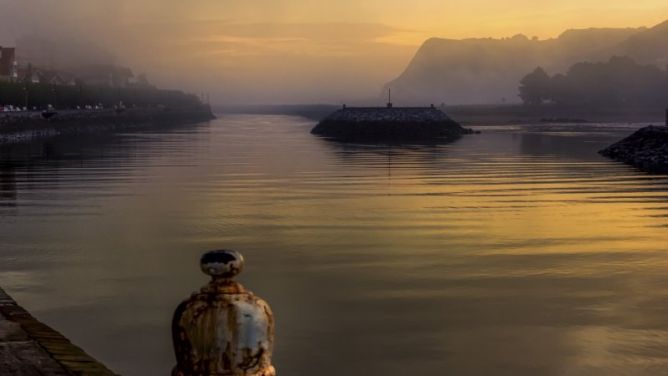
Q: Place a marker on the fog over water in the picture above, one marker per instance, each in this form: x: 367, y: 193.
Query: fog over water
x: 292, y: 51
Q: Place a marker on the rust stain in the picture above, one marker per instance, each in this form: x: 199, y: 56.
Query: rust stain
x: 224, y: 329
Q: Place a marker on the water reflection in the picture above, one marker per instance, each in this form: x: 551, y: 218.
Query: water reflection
x: 7, y: 185
x: 397, y: 156
x: 518, y: 251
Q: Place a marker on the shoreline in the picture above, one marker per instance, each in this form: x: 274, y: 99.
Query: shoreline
x: 485, y: 115
x: 25, y: 127
x: 646, y: 149
x: 29, y: 347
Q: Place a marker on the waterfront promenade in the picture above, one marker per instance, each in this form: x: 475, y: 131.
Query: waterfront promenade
x: 16, y: 127
x: 31, y: 348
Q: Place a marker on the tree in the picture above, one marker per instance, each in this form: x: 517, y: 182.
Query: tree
x: 535, y: 87
x: 619, y: 82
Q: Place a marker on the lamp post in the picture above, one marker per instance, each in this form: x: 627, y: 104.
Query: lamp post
x: 54, y: 96
x: 25, y: 95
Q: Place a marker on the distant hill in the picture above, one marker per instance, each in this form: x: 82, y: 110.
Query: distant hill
x: 649, y: 46
x: 487, y: 71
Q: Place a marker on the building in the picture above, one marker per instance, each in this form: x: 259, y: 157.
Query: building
x: 39, y: 52
x: 38, y: 67
x: 8, y: 66
x: 105, y: 75
x: 57, y: 78
x: 32, y: 75
x: 28, y: 74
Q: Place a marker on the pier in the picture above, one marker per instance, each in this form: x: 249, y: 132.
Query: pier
x: 31, y: 348
x: 222, y: 329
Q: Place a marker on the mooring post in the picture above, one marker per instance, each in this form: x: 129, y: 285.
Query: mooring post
x: 223, y: 329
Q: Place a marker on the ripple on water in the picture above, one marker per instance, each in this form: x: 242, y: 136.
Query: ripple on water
x: 519, y: 251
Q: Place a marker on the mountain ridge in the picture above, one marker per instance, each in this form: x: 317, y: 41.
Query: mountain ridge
x: 488, y: 70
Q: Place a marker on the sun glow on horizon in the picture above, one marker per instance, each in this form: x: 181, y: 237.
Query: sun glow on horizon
x: 294, y: 47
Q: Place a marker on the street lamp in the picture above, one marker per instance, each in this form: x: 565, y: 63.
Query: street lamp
x: 25, y: 94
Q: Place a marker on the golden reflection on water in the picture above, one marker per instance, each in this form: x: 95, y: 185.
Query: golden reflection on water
x: 519, y: 251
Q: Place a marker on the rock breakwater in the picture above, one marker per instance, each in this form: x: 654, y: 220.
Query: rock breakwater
x: 646, y: 149
x: 397, y: 124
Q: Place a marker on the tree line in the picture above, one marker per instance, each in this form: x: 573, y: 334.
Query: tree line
x: 619, y: 82
x: 39, y: 96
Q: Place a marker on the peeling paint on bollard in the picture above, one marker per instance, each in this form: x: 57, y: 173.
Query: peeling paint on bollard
x: 223, y: 330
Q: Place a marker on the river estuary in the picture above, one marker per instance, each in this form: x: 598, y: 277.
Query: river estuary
x: 518, y: 251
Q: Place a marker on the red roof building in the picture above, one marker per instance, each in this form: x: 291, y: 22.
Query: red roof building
x: 7, y: 63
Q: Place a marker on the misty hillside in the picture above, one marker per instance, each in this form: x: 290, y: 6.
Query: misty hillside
x: 649, y: 46
x: 475, y: 71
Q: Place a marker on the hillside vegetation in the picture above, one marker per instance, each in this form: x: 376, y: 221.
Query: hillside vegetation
x: 477, y: 71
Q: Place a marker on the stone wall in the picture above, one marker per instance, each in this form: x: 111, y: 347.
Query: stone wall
x: 27, y: 126
x: 31, y: 348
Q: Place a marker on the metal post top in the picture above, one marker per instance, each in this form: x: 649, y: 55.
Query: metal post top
x: 222, y: 264
x: 224, y: 329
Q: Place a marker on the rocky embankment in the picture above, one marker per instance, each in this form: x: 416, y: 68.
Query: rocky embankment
x: 390, y: 124
x: 16, y: 127
x: 646, y: 149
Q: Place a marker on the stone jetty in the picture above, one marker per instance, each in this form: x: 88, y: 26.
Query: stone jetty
x: 394, y: 124
x: 646, y: 149
x: 31, y: 348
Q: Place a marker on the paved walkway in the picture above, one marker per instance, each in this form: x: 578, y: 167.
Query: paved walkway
x: 30, y: 348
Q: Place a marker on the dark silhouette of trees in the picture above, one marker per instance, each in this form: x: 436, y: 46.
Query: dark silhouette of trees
x: 63, y: 96
x: 619, y: 82
x: 535, y: 87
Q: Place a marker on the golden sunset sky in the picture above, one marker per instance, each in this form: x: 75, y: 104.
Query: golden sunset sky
x: 271, y: 51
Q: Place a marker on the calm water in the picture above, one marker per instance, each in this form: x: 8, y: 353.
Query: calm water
x: 519, y: 251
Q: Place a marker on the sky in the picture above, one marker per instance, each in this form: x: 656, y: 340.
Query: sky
x: 296, y: 51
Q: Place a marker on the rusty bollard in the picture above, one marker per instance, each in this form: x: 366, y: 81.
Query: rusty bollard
x: 223, y: 330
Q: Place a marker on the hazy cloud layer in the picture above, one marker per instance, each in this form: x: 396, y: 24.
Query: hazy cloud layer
x: 291, y: 50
